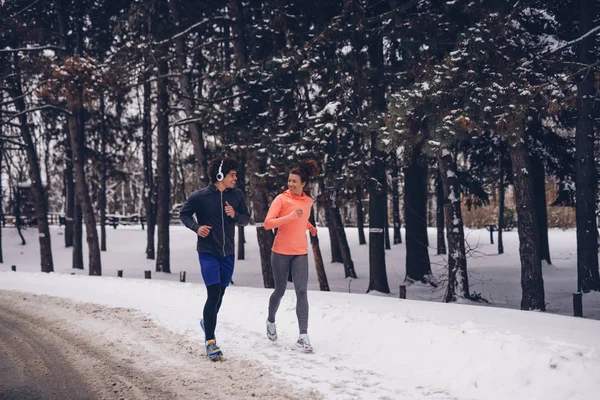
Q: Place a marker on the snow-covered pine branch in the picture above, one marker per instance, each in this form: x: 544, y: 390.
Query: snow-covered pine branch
x: 574, y: 41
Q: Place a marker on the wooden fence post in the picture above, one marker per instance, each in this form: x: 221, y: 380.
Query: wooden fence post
x: 403, y: 291
x: 577, y: 305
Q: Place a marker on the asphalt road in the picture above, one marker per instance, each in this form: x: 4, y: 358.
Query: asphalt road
x: 54, y: 348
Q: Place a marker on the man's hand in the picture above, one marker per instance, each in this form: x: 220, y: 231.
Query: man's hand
x: 313, y: 232
x: 204, y: 230
x: 229, y: 210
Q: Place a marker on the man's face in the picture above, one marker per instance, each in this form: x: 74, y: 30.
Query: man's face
x: 230, y: 180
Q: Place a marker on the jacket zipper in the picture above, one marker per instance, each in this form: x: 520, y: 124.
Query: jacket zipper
x: 223, y: 223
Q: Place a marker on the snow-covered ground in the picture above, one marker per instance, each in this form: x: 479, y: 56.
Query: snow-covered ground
x: 366, y: 346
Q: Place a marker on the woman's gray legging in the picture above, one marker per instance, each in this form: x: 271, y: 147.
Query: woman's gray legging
x: 281, y: 265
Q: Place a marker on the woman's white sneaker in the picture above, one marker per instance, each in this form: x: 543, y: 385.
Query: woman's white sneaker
x: 271, y: 330
x: 303, y: 343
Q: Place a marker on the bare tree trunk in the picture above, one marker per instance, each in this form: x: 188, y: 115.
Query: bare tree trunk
x: 149, y: 186
x: 69, y: 194
x: 77, y: 138
x: 163, y: 162
x: 396, y: 200
x: 531, y: 267
x: 336, y: 217
x: 103, y: 164
x: 77, y: 236
x: 336, y: 251
x: 1, y: 196
x: 418, y: 266
x: 539, y: 197
x: 35, y: 175
x: 77, y: 135
x: 439, y: 190
x: 386, y: 228
x: 458, y: 279
x: 260, y: 207
x: 201, y: 176
x: 320, y: 267
x: 588, y: 277
x: 501, y: 195
x: 241, y: 184
x: 163, y: 171
x: 360, y: 216
x: 17, y: 214
x: 377, y: 217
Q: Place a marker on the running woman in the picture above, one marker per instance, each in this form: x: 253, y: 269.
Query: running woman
x: 289, y: 213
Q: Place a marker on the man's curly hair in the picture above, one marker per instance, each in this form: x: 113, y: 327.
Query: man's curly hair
x: 229, y: 164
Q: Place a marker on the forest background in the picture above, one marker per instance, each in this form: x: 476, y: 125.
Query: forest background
x: 420, y: 113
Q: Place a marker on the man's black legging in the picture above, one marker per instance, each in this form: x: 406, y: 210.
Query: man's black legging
x: 211, y: 308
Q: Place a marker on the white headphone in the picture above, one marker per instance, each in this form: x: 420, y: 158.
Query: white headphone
x: 220, y: 175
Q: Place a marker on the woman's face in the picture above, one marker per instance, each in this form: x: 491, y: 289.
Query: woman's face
x: 295, y: 184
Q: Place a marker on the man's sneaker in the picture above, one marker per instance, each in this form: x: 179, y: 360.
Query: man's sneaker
x: 303, y: 343
x: 213, y: 352
x: 271, y: 330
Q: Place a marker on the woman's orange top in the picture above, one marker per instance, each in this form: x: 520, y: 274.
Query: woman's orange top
x: 291, y: 230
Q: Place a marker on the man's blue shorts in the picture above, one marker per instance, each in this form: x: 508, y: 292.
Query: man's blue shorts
x: 216, y: 269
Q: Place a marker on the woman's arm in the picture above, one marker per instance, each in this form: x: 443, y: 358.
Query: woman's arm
x: 271, y: 220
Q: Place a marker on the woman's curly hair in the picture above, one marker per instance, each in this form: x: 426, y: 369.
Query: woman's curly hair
x: 306, y: 169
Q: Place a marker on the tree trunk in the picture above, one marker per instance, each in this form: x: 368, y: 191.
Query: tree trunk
x: 77, y: 135
x: 1, y: 196
x: 103, y: 166
x: 69, y: 194
x: 17, y: 214
x: 320, y: 267
x: 149, y: 185
x: 200, y: 167
x: 458, y: 279
x: 260, y: 208
x: 241, y: 184
x: 418, y: 266
x: 37, y: 189
x: 360, y: 216
x: 163, y: 167
x: 501, y: 195
x: 63, y: 29
x: 396, y: 200
x: 336, y: 251
x: 439, y: 190
x: 529, y: 247
x: 386, y: 228
x: 377, y: 219
x: 539, y: 193
x: 585, y: 206
x: 336, y: 216
x: 77, y: 236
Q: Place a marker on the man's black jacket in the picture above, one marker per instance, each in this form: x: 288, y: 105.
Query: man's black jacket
x: 208, y: 205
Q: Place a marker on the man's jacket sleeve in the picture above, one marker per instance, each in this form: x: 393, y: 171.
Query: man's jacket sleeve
x: 242, y: 215
x: 186, y: 214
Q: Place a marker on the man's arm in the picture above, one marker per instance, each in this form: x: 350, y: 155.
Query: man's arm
x: 186, y: 214
x: 242, y: 215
